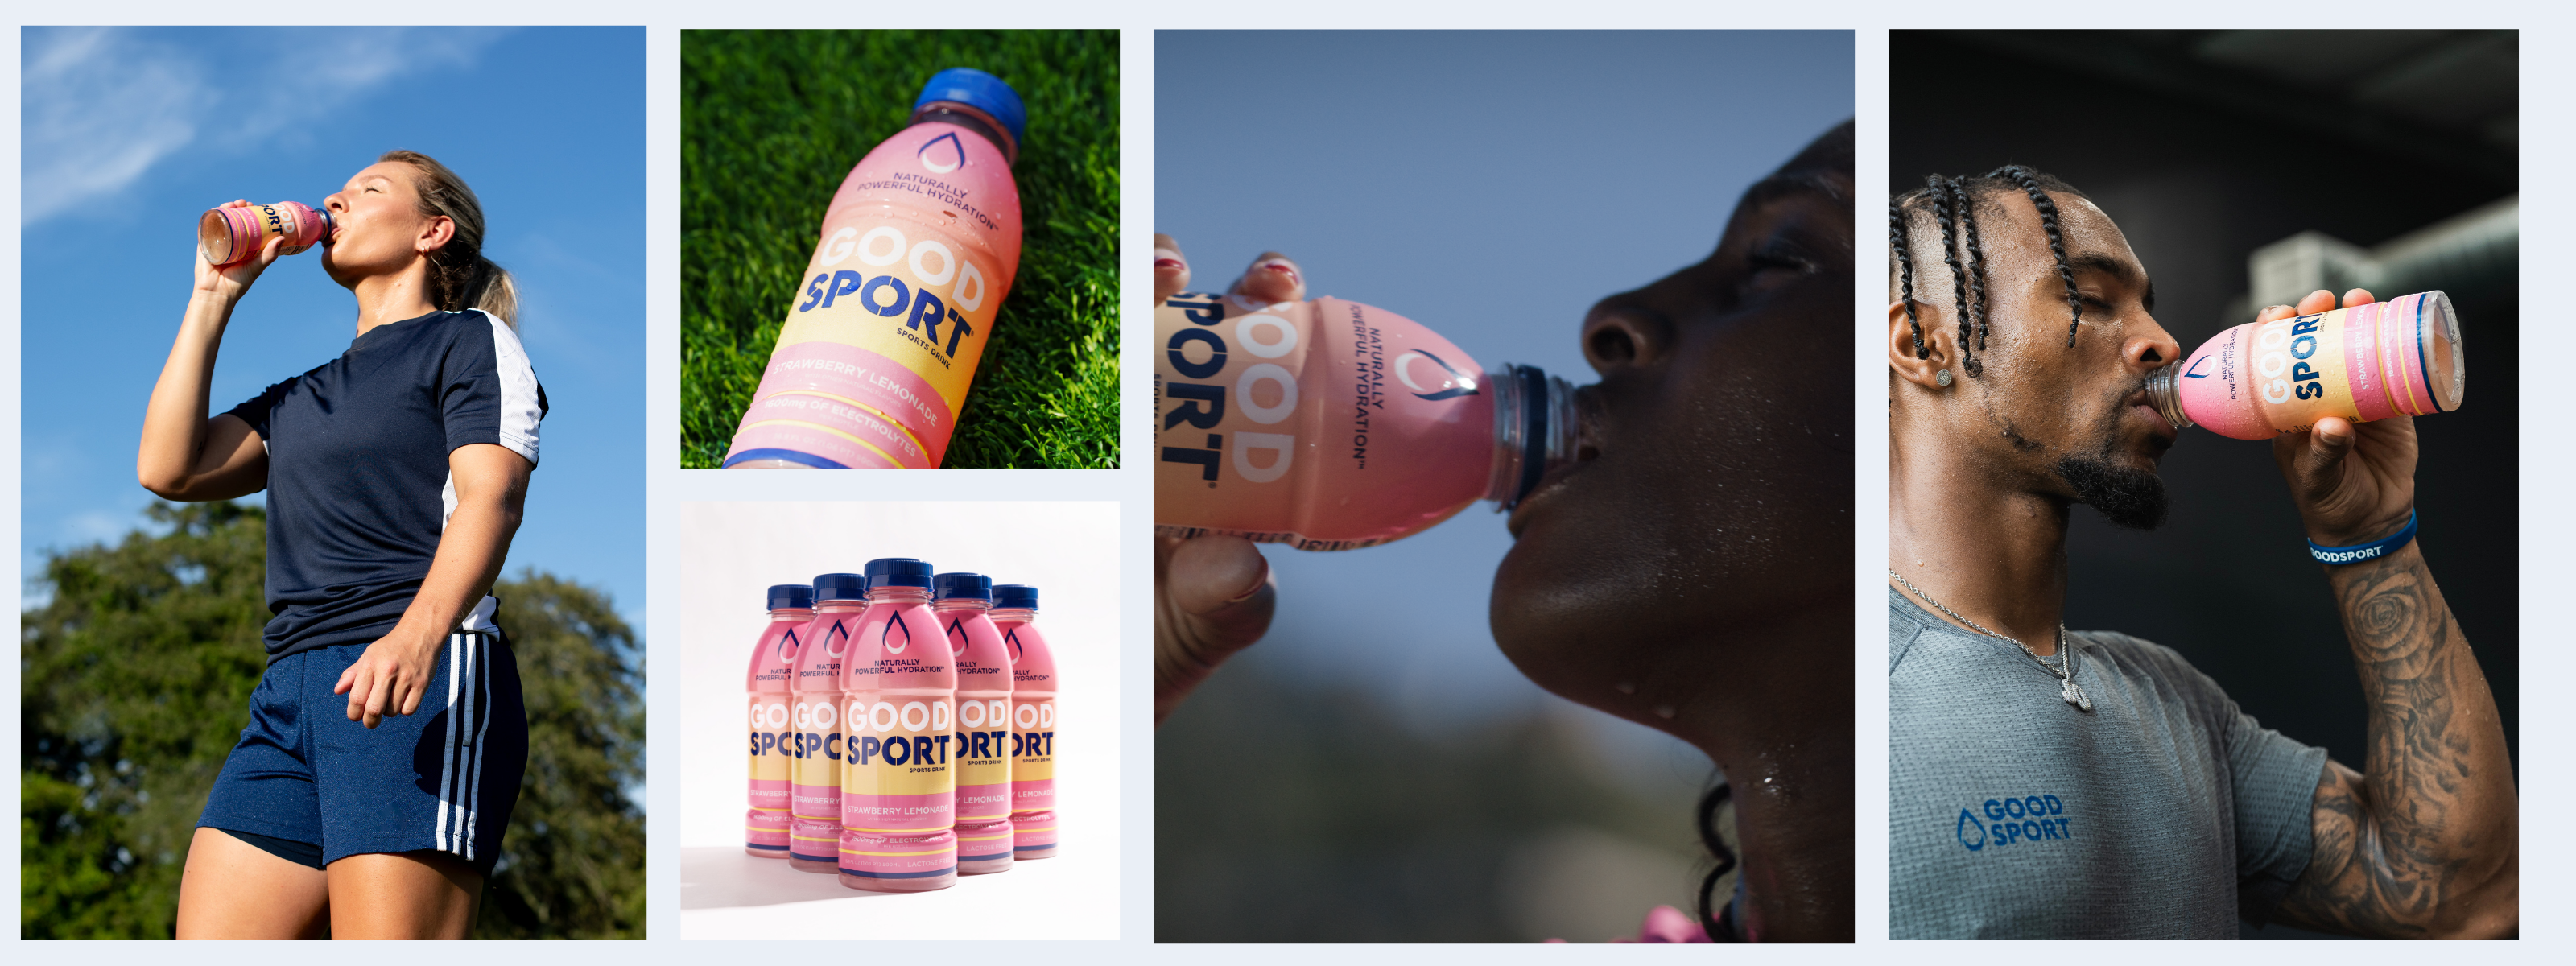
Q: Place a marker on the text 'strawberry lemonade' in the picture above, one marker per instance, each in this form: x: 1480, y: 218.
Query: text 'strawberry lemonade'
x: 822, y: 674
x: 1331, y: 425
x: 234, y: 235
x: 918, y: 250
x: 983, y: 754
x: 898, y: 794
x: 2401, y: 357
x: 1033, y: 700
x: 773, y: 669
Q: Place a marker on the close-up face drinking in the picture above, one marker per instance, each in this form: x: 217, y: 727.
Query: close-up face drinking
x: 1681, y: 526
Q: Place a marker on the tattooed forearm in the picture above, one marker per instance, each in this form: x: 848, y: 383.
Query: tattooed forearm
x: 2422, y: 843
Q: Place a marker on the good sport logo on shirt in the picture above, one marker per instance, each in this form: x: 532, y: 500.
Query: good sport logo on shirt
x: 1999, y: 822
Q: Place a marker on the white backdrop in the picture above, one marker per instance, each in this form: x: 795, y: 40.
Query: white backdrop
x: 732, y: 552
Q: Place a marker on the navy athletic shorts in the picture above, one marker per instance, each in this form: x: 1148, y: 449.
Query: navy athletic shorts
x: 441, y: 779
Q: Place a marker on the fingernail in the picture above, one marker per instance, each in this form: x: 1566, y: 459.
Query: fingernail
x: 1258, y: 582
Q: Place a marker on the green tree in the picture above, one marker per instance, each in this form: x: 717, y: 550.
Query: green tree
x: 135, y: 677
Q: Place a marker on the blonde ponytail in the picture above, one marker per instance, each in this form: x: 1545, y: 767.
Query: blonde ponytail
x: 459, y: 276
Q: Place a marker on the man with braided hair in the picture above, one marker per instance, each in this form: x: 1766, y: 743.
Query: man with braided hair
x: 2054, y: 784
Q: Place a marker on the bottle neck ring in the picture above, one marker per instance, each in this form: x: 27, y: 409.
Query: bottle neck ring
x: 898, y: 595
x: 1534, y: 431
x: 973, y: 119
x: 2165, y: 393
x: 961, y: 603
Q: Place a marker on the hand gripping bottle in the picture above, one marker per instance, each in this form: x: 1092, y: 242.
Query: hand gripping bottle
x: 983, y: 721
x: 1332, y: 425
x: 918, y: 250
x: 2401, y: 357
x: 1033, y: 820
x: 898, y: 799
x: 231, y: 236
x: 773, y: 666
x: 816, y: 751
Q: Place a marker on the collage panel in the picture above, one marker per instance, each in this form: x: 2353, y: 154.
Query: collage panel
x: 952, y: 197
x: 902, y: 716
x: 275, y: 678
x: 2284, y: 236
x: 1623, y: 712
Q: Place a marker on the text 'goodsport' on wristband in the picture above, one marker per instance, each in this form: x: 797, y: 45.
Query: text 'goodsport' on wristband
x: 2373, y: 550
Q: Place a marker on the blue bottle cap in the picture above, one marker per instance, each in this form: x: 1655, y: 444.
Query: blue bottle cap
x: 898, y: 572
x: 979, y: 90
x: 968, y: 586
x: 840, y: 587
x: 791, y: 596
x: 1015, y: 595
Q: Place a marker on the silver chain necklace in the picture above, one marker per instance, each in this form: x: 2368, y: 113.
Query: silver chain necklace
x: 2063, y: 670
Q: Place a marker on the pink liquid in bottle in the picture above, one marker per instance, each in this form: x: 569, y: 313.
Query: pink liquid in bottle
x: 231, y: 236
x: 1033, y: 696
x: 815, y: 750
x: 2401, y: 357
x: 773, y: 667
x: 983, y: 753
x: 918, y: 250
x: 898, y: 796
x: 1332, y: 425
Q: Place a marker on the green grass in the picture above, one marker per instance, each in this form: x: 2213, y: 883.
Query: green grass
x: 771, y: 121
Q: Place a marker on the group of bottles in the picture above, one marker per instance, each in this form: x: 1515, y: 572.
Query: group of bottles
x: 894, y: 754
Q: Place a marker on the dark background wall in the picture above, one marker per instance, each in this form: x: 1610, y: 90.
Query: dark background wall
x: 2203, y: 146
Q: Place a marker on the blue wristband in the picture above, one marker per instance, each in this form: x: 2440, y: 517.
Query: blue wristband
x: 2368, y: 551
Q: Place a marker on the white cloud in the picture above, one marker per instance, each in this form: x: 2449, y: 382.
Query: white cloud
x: 101, y: 107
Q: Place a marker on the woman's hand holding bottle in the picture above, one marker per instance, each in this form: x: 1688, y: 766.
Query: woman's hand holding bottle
x: 231, y: 282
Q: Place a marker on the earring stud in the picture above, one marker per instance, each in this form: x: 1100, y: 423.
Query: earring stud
x: 1942, y: 377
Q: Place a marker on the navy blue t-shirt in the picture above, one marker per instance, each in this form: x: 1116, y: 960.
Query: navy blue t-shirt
x: 358, y: 487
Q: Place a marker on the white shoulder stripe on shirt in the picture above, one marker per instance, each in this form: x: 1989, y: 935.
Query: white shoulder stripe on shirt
x: 519, y: 413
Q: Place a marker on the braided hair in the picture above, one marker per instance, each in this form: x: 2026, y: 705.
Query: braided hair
x: 1715, y: 917
x: 1951, y: 204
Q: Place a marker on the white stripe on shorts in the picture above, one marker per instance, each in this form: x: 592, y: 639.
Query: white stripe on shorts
x: 447, y: 759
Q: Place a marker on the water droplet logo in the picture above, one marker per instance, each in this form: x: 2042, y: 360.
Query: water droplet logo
x: 1450, y: 386
x: 885, y: 638
x: 2195, y: 365
x: 836, y: 639
x: 957, y: 637
x: 787, y: 645
x: 1012, y: 638
x: 939, y: 160
x: 1966, y: 822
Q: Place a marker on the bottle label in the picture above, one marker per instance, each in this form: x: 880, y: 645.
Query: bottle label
x: 983, y: 760
x: 1326, y: 424
x: 892, y: 313
x: 769, y: 762
x: 2362, y: 363
x: 1032, y: 754
x: 922, y: 855
x: 902, y: 770
x: 814, y: 747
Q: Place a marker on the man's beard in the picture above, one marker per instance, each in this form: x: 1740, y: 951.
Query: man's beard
x: 2134, y: 499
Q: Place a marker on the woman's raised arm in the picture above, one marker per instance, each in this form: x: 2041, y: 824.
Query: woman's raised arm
x: 184, y: 455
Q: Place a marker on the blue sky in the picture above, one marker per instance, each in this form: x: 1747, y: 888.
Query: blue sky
x: 127, y: 135
x: 1491, y: 185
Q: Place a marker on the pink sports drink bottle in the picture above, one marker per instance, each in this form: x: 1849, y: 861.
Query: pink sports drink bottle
x: 898, y: 796
x: 773, y: 668
x: 1332, y: 425
x: 230, y: 236
x: 983, y: 721
x: 918, y: 250
x: 2401, y: 357
x: 1033, y: 694
x: 816, y: 749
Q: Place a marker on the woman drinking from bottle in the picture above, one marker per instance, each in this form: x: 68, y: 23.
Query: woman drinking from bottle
x: 385, y: 744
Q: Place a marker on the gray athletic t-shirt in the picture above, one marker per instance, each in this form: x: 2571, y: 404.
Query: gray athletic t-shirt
x: 2165, y: 813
